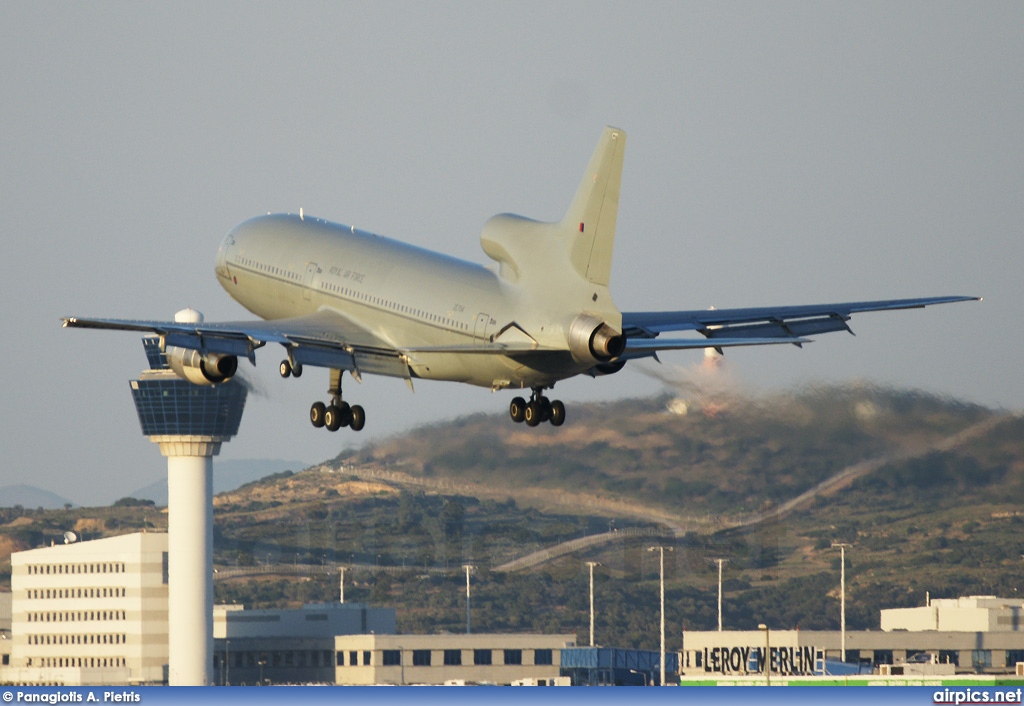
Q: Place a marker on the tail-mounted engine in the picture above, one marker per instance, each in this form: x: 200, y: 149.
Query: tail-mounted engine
x: 591, y: 340
x: 200, y: 369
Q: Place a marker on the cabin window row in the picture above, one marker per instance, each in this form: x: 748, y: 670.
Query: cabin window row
x: 395, y: 306
x: 269, y: 269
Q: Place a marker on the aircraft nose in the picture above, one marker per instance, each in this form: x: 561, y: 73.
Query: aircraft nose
x: 221, y: 262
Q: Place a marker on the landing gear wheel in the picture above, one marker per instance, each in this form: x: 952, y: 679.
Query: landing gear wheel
x: 335, y: 417
x: 316, y: 414
x: 545, y: 409
x: 557, y: 413
x: 297, y: 370
x: 517, y: 410
x: 358, y: 418
x: 532, y: 414
x: 285, y: 369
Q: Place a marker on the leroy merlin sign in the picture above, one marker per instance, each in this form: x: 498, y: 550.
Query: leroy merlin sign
x: 746, y: 660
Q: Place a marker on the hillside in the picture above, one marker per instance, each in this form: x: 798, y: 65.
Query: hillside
x: 926, y: 490
x: 732, y: 460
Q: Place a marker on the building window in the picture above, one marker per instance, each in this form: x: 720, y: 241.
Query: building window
x: 980, y: 659
x: 882, y: 657
x: 421, y: 658
x: 353, y: 659
x: 392, y: 658
x: 482, y: 657
x: 452, y: 658
x: 366, y: 658
x: 543, y: 657
x: 513, y: 656
x: 1014, y: 656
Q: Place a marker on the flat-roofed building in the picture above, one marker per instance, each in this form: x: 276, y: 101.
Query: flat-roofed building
x: 288, y: 646
x: 485, y: 658
x: 971, y: 634
x: 90, y: 612
x: 964, y: 614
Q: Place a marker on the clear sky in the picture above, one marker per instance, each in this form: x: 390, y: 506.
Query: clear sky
x: 779, y: 153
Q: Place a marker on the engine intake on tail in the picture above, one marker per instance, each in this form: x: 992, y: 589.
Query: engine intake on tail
x: 591, y: 340
x: 198, y: 369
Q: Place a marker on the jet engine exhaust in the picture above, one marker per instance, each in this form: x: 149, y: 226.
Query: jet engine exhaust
x: 591, y: 340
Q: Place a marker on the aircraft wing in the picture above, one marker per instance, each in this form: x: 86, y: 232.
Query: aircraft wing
x: 784, y: 324
x: 325, y: 339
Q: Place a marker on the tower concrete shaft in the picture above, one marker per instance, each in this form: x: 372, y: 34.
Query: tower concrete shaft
x: 190, y: 569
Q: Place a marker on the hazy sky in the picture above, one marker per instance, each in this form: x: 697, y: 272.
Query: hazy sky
x: 779, y: 153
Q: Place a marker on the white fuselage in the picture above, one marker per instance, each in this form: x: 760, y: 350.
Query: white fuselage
x: 283, y: 266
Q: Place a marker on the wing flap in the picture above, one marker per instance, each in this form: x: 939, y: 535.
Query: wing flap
x: 646, y: 346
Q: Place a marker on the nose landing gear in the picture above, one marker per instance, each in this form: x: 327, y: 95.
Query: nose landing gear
x: 538, y: 409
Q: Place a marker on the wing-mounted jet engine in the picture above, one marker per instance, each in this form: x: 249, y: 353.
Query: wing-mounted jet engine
x: 200, y: 369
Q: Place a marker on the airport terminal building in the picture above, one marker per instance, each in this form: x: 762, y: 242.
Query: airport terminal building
x: 96, y: 613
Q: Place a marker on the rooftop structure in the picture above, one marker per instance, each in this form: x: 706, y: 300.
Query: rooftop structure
x: 964, y: 614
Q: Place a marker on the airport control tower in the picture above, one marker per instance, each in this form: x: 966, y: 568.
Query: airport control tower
x: 189, y: 422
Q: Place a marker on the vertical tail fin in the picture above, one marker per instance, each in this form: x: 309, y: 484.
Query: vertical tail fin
x: 590, y: 220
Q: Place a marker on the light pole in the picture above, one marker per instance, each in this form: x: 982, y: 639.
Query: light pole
x: 719, y: 562
x: 767, y: 654
x: 661, y: 551
x: 592, y: 564
x: 468, y: 568
x: 842, y: 598
x: 342, y: 582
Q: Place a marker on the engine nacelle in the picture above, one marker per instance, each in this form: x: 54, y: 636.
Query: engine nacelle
x: 591, y: 340
x: 606, y: 368
x: 189, y: 364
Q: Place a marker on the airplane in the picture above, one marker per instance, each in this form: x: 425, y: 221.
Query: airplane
x: 337, y: 297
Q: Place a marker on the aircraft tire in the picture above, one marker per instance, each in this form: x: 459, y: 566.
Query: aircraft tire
x: 545, y: 409
x: 358, y: 418
x: 517, y: 409
x: 316, y: 414
x: 557, y: 413
x: 532, y: 414
x: 297, y: 370
x: 285, y: 368
x: 333, y: 418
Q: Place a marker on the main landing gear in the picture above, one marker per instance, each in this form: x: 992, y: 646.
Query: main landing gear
x: 338, y: 413
x: 538, y: 409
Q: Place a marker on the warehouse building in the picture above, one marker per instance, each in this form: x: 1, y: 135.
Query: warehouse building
x: 288, y: 646
x: 972, y: 634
